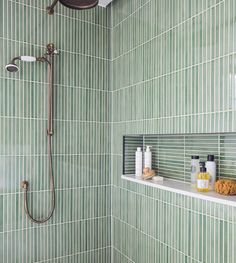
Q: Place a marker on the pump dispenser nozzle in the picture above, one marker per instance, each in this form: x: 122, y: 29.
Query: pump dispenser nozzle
x: 148, y: 148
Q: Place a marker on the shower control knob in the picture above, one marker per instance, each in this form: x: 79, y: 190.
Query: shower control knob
x: 50, y: 49
x: 24, y: 185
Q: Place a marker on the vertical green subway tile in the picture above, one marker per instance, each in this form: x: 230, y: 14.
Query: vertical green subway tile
x: 174, y: 79
x: 79, y: 230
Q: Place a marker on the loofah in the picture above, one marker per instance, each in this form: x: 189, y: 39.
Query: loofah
x: 226, y: 187
x: 148, y: 173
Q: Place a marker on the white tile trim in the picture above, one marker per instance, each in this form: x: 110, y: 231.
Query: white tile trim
x: 71, y: 255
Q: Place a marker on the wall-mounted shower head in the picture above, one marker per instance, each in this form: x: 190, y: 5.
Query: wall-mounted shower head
x: 12, y: 67
x: 73, y: 4
x: 79, y: 4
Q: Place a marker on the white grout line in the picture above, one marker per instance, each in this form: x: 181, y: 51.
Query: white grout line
x: 59, y: 49
x: 56, y: 119
x: 131, y: 14
x: 111, y: 138
x: 168, y: 30
x: 59, y: 14
x: 158, y: 240
x: 71, y: 255
x: 174, y: 116
x: 56, y: 189
x: 55, y: 84
x: 122, y: 254
x: 47, y: 225
x: 175, y: 71
x: 58, y: 154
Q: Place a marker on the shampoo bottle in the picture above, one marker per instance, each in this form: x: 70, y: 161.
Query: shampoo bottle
x: 195, y: 169
x: 203, y: 180
x: 148, y: 158
x: 211, y: 169
x: 138, y: 162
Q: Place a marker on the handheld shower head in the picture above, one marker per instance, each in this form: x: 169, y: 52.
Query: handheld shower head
x: 12, y: 67
x: 28, y: 58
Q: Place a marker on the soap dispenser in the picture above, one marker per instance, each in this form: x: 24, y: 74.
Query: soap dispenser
x: 148, y: 158
x: 211, y: 169
x: 203, y: 179
x: 138, y: 162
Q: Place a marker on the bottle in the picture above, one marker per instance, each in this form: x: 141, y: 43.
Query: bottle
x: 203, y: 180
x: 195, y: 169
x: 211, y: 169
x: 138, y: 162
x: 148, y: 158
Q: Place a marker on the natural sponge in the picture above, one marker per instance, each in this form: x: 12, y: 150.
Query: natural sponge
x: 148, y: 173
x: 226, y: 187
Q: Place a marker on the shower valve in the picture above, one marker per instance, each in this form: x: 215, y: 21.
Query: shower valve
x: 25, y: 185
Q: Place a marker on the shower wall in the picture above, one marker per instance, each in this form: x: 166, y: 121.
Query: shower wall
x: 173, y: 72
x: 80, y: 228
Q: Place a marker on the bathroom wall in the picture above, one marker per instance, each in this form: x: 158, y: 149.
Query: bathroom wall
x: 173, y: 72
x: 80, y: 228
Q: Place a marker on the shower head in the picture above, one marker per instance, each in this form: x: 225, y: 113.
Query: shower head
x: 73, y: 4
x: 79, y: 4
x: 12, y: 67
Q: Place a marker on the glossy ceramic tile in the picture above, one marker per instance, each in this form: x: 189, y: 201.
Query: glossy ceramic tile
x: 79, y: 230
x: 172, y: 73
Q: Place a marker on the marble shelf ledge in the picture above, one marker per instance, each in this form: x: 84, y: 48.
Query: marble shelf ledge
x: 184, y: 189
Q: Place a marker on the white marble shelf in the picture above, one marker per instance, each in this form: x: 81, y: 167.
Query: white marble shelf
x: 184, y: 189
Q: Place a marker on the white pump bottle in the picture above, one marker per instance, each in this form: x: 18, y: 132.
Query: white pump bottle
x: 148, y: 158
x: 138, y: 162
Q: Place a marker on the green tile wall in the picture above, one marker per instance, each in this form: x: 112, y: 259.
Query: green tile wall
x: 80, y: 228
x: 173, y: 72
x: 138, y: 67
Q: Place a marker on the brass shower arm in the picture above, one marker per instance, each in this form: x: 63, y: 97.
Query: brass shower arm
x: 50, y: 9
x: 15, y: 58
x: 43, y: 59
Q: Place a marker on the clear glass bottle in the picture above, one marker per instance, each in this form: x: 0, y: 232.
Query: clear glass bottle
x: 211, y: 169
x: 203, y: 180
x: 195, y: 169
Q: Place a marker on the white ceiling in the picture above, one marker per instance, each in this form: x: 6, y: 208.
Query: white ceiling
x: 104, y: 3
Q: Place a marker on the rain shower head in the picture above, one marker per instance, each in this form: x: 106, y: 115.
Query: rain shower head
x: 73, y: 4
x: 79, y: 4
x: 12, y: 67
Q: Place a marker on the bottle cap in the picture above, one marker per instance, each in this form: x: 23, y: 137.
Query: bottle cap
x: 203, y: 169
x: 210, y: 158
x: 194, y: 157
x: 139, y: 149
x: 202, y: 164
x: 148, y: 148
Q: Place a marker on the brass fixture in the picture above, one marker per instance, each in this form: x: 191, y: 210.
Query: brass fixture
x: 73, y: 4
x: 12, y: 67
